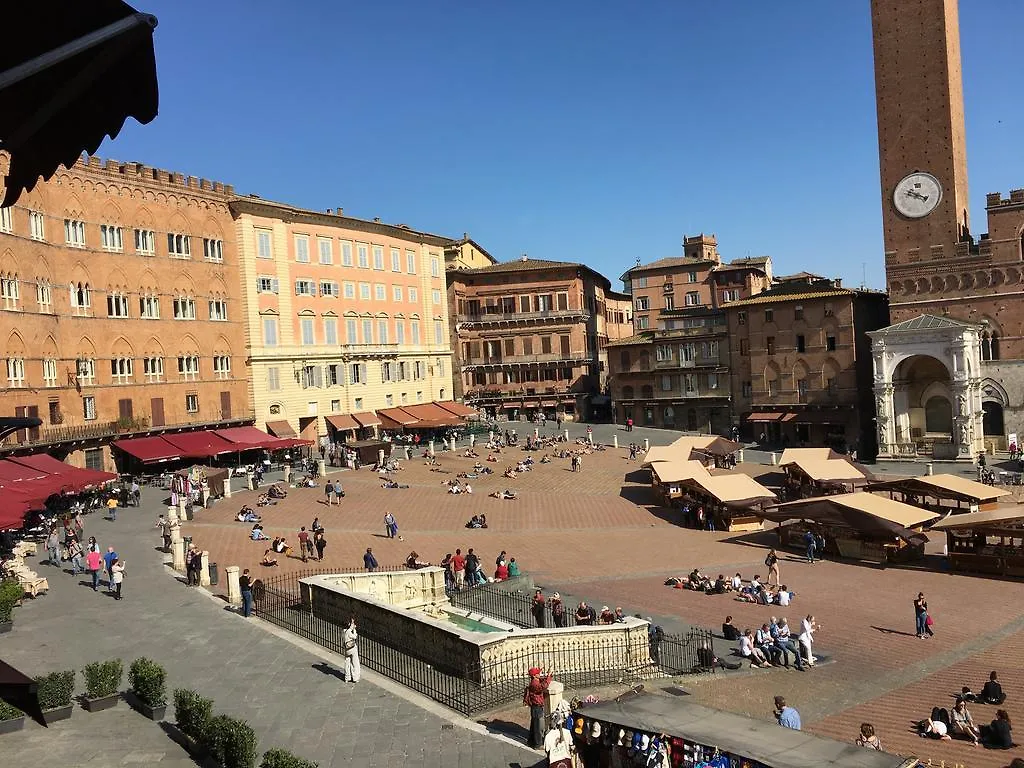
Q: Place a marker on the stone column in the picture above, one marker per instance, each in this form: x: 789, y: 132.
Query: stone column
x: 408, y: 453
x: 287, y: 474
x: 552, y: 698
x: 204, y: 570
x: 963, y: 422
x: 227, y: 487
x: 172, y: 514
x: 615, y: 441
x: 322, y: 466
x: 430, y: 450
x: 775, y: 459
x: 182, y: 514
x: 490, y: 436
x: 536, y: 432
x: 178, y: 554
x: 883, y: 420
x: 739, y: 456
x: 647, y: 444
x: 567, y: 435
x: 472, y: 441
x: 234, y: 590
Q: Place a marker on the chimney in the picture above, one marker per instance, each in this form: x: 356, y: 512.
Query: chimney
x: 329, y: 211
x: 376, y: 219
x: 465, y: 235
x: 838, y: 282
x: 523, y: 257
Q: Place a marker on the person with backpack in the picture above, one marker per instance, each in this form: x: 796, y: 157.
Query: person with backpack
x: 320, y: 542
x: 812, y: 545
x: 772, y: 561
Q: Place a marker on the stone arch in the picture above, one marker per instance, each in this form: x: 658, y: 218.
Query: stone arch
x: 178, y: 224
x: 183, y: 284
x: 86, y: 348
x: 117, y: 280
x: 923, y: 285
x: 938, y: 415
x: 143, y: 218
x: 221, y: 345
x: 111, y: 213
x: 993, y: 391
x: 981, y: 279
x: 1012, y: 276
x: 8, y: 262
x: 188, y: 345
x: 15, y: 345
x: 895, y: 287
x: 218, y: 288
x: 276, y: 408
x: 938, y: 284
x: 951, y: 283
x: 997, y: 278
x: 800, y: 371
x: 153, y: 347
x: 121, y: 347
x: 211, y: 227
x: 49, y: 347
x: 148, y: 281
x: 80, y: 274
x: 830, y: 369
x: 966, y: 281
x: 908, y: 287
x: 73, y: 207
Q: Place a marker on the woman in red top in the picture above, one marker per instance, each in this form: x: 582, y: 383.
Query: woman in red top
x: 501, y: 572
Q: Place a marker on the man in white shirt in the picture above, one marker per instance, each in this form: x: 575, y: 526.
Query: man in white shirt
x: 559, y: 747
x: 785, y: 596
x: 749, y: 651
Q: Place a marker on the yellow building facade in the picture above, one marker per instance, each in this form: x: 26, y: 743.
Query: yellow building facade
x: 343, y: 317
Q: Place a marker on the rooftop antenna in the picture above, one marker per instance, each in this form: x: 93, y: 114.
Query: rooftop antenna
x: 863, y: 274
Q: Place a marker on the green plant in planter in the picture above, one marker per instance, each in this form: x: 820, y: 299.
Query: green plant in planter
x: 10, y: 593
x: 148, y: 681
x: 282, y: 758
x: 103, y: 678
x: 56, y: 689
x: 192, y: 713
x: 231, y: 742
x: 9, y: 711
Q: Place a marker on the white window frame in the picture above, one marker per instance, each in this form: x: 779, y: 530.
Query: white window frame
x: 349, y: 289
x: 643, y: 303
x: 325, y: 250
x: 153, y: 369
x: 415, y: 332
x: 6, y: 220
x: 184, y: 308
x: 86, y: 372
x: 74, y: 233
x: 111, y: 237
x: 117, y: 305
x: 378, y: 258
x: 380, y: 293
x: 692, y: 299
x: 188, y: 367
x: 396, y: 293
x: 346, y: 253
x: 10, y: 292
x: 414, y: 295
x: 301, y: 249
x: 364, y: 291
x: 149, y: 306
x: 49, y: 372
x: 36, y: 225
x: 15, y: 372
x: 363, y: 254
x: 435, y: 296
x: 330, y: 288
x: 331, y: 331
x: 191, y: 402
x: 307, y: 332
x: 179, y: 245
x: 396, y: 259
x: 264, y: 244
x: 222, y: 366
x: 122, y: 370
x: 305, y: 287
x: 267, y: 284
x: 89, y: 408
x: 145, y: 242
x: 213, y: 250
x: 270, y: 324
x: 410, y: 262
x: 218, y: 310
x: 273, y: 379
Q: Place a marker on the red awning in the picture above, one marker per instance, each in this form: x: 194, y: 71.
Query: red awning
x: 342, y: 421
x: 281, y: 429
x: 200, y: 445
x: 457, y: 408
x: 148, y: 450
x: 764, y: 417
x: 13, y: 509
x: 80, y: 476
x: 290, y: 442
x: 12, y: 472
x: 367, y: 419
x: 398, y: 415
x: 432, y: 415
x: 247, y: 438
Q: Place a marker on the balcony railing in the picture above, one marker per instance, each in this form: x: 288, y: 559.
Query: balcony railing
x: 688, y: 394
x: 572, y: 358
x: 547, y: 314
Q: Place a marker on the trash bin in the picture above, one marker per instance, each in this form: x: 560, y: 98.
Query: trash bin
x: 214, y: 577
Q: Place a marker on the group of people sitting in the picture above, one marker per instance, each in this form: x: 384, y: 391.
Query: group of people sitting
x: 773, y: 643
x: 454, y: 486
x: 306, y: 481
x: 753, y: 592
x: 477, y: 521
x: 958, y: 723
x: 257, y: 534
x: 388, y: 482
x: 506, y: 494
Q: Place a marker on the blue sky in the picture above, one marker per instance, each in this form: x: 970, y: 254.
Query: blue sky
x: 595, y: 131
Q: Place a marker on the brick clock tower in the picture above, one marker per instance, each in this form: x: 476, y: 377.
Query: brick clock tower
x: 954, y: 298
x: 921, y: 138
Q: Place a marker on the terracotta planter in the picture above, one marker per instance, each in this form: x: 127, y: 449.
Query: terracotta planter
x: 10, y: 726
x: 100, y: 703
x: 153, y: 713
x: 58, y: 714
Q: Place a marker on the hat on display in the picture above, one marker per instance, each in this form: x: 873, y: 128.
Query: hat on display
x: 579, y: 725
x: 534, y: 671
x: 637, y: 739
x: 622, y: 735
x: 595, y: 730
x: 645, y: 743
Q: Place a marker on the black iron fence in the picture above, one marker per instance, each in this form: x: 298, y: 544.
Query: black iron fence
x: 512, y: 601
x: 472, y: 686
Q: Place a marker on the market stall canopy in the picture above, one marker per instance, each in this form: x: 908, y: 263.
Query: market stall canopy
x: 677, y: 471
x: 343, y: 422
x: 200, y: 445
x: 26, y: 482
x: 1004, y: 516
x: 943, y: 487
x: 148, y: 450
x: 432, y: 415
x: 734, y: 489
x: 666, y: 453
x: 861, y: 511
x: 709, y: 445
x: 44, y: 462
x: 749, y: 739
x: 367, y: 419
x: 281, y: 429
x: 250, y: 438
x: 396, y: 418
x: 793, y: 455
x: 828, y: 470
x: 71, y: 73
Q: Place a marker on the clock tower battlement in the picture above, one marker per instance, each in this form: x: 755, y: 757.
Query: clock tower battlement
x: 921, y: 136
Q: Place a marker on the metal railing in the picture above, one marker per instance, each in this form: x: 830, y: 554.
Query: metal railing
x: 550, y: 314
x: 473, y: 687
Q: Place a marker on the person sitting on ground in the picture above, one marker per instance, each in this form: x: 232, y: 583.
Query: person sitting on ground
x: 257, y: 534
x: 306, y: 482
x: 263, y: 500
x: 720, y: 587
x: 510, y: 473
x: 456, y: 488
x: 491, y: 457
x: 963, y: 724
x: 729, y: 630
x: 737, y: 583
x: 607, y: 616
x: 281, y: 547
x: 545, y: 459
x: 706, y: 659
x: 470, y: 454
x: 277, y: 492
x: 246, y: 515
x: 501, y: 571
x: 513, y: 568
x: 992, y: 693
x: 268, y: 559
x: 935, y: 727
x: 474, y: 522
x: 867, y: 738
x: 698, y: 581
x: 749, y: 650
x: 389, y: 483
x: 784, y: 597
x: 998, y: 735
x: 413, y: 561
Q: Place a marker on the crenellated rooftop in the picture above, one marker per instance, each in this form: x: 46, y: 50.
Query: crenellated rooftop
x: 142, y: 172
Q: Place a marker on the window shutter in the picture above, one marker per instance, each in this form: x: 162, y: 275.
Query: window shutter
x: 276, y: 285
x: 318, y: 374
x: 362, y: 372
x: 298, y: 286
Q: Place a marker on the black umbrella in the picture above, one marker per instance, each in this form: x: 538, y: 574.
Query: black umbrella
x: 71, y: 73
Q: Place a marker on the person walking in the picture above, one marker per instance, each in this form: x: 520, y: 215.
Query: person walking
x: 108, y: 560
x: 165, y: 532
x: 117, y: 576
x: 533, y: 697
x: 112, y: 507
x: 921, y: 617
x: 93, y: 564
x: 772, y: 561
x: 53, y: 547
x: 304, y: 544
x: 369, y: 561
x: 787, y: 716
x: 339, y: 492
x: 350, y: 646
x: 329, y: 493
x: 75, y: 553
x: 390, y: 525
x: 245, y: 587
x: 320, y: 543
x: 193, y: 564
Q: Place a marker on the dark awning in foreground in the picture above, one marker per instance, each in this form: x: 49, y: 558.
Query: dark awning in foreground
x: 71, y: 73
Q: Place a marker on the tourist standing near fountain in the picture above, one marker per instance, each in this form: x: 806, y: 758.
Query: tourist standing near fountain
x: 350, y: 645
x: 533, y: 697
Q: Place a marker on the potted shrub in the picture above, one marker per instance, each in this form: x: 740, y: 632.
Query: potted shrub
x: 102, y: 681
x: 230, y: 742
x: 192, y: 714
x: 11, y: 593
x: 11, y: 718
x: 148, y: 681
x: 54, y: 693
x: 282, y: 758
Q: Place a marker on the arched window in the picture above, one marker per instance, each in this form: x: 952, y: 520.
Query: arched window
x: 989, y: 345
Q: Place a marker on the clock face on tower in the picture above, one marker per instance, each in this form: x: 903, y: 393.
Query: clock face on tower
x: 917, y: 195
